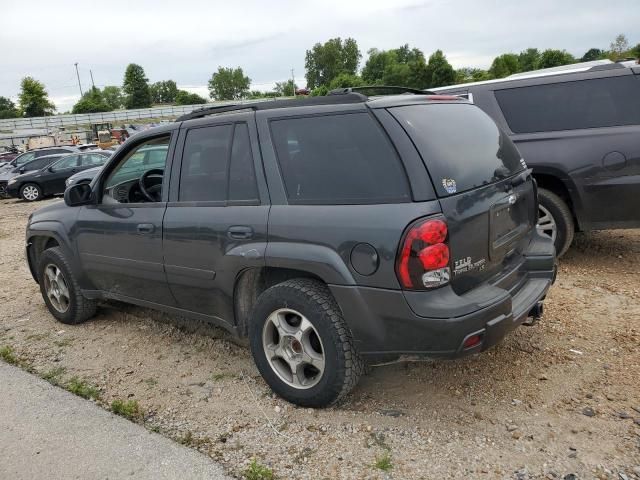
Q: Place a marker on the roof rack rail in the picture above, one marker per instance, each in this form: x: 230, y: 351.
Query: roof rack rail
x: 348, y: 97
x: 203, y: 112
x: 390, y: 89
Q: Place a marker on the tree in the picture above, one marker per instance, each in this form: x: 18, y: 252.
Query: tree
x: 91, y: 102
x: 229, y: 84
x: 619, y: 47
x: 113, y: 97
x: 324, y: 62
x: 186, y: 98
x: 285, y: 89
x: 466, y: 75
x: 635, y: 51
x: 593, y: 54
x: 439, y: 72
x: 345, y: 80
x: 164, y: 91
x: 136, y: 87
x: 8, y: 108
x: 528, y: 60
x: 504, y: 65
x: 403, y: 66
x: 34, y: 99
x: 555, y: 58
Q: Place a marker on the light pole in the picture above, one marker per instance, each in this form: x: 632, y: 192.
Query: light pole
x: 78, y: 75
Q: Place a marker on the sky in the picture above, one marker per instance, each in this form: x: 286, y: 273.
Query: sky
x: 186, y: 41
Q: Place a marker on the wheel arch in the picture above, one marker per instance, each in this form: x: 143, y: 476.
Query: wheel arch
x: 42, y: 236
x: 557, y: 183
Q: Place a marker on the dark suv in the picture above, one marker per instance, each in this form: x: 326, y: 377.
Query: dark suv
x: 330, y: 231
x: 578, y: 128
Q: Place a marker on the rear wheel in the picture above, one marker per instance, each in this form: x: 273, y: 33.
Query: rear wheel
x: 31, y: 192
x: 555, y: 220
x: 302, y: 345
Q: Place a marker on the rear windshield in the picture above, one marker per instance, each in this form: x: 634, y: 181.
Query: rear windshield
x: 460, y: 145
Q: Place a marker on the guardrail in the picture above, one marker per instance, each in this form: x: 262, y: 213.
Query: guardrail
x: 117, y: 116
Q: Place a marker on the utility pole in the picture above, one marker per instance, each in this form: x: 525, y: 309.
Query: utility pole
x: 93, y: 84
x: 293, y: 79
x: 78, y: 75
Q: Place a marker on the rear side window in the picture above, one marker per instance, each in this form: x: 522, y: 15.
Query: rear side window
x: 40, y: 163
x: 203, y: 176
x: 338, y: 159
x: 242, y: 174
x: 460, y: 145
x: 602, y: 102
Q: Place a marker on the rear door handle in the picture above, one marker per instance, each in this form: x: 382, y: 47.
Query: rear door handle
x: 240, y: 232
x: 146, y: 228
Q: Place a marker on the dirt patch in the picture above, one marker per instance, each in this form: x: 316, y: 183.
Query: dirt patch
x: 559, y: 398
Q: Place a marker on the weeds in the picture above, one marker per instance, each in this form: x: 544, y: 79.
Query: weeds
x: 129, y: 409
x: 53, y: 376
x: 255, y: 471
x: 384, y: 462
x: 83, y: 389
x: 151, y: 382
x: 190, y: 441
x: 6, y: 354
x: 65, y: 342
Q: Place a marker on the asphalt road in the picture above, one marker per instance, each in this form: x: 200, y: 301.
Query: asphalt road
x: 46, y: 432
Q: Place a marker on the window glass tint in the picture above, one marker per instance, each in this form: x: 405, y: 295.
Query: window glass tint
x: 40, y: 163
x: 92, y: 160
x: 67, y: 162
x: 602, y: 102
x: 461, y: 146
x: 338, y: 159
x: 27, y: 157
x: 203, y: 176
x: 242, y: 175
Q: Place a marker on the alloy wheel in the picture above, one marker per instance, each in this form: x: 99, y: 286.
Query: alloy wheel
x: 293, y: 348
x: 30, y: 192
x: 546, y: 223
x: 56, y: 287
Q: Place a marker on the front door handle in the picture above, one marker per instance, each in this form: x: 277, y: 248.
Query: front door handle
x: 146, y: 228
x: 240, y: 232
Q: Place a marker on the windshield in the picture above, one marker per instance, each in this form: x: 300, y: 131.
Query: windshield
x: 460, y: 145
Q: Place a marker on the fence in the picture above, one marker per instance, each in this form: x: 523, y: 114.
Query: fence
x: 118, y: 116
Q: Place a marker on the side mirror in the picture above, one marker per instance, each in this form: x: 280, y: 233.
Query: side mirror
x: 78, y: 194
x: 22, y: 170
x: 51, y: 169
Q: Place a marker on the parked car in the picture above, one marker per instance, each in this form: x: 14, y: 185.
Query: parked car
x: 37, y: 153
x: 331, y: 231
x: 7, y: 154
x: 146, y: 156
x: 33, y: 165
x: 578, y: 128
x: 50, y: 180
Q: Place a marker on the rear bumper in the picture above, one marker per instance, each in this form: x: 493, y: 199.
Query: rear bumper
x: 389, y: 323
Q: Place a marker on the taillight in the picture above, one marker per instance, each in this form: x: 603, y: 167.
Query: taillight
x: 423, y: 259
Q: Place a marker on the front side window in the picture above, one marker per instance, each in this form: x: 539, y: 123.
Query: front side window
x: 139, y: 176
x: 92, y: 160
x: 27, y: 157
x: 338, y: 159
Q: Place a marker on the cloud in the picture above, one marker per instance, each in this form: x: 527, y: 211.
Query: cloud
x: 188, y: 42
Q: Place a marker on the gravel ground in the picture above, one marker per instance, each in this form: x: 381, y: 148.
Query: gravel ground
x: 560, y: 399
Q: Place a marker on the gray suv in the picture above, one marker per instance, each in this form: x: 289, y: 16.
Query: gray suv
x: 578, y: 128
x: 331, y: 231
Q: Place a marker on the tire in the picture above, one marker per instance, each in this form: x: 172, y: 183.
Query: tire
x: 30, y: 192
x: 76, y: 308
x: 328, y: 334
x: 554, y: 208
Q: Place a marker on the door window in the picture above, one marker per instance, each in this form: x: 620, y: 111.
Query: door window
x: 27, y: 157
x: 92, y: 160
x: 242, y: 174
x: 66, y: 163
x: 203, y: 176
x: 139, y: 175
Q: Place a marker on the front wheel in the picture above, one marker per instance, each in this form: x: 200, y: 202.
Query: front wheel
x: 31, y: 192
x: 302, y: 345
x: 555, y: 220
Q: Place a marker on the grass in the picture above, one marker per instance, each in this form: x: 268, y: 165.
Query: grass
x: 6, y: 354
x: 384, y: 462
x: 255, y: 471
x: 190, y: 441
x: 65, y: 342
x: 82, y: 389
x: 216, y: 377
x: 53, y: 376
x: 151, y: 382
x: 129, y: 409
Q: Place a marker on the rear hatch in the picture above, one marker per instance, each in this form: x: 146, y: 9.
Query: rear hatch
x: 485, y: 190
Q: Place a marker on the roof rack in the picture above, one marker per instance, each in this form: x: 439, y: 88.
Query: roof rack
x: 390, y: 89
x: 271, y: 104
